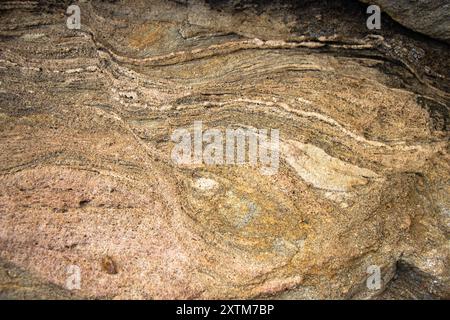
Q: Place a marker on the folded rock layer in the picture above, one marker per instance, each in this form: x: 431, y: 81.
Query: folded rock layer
x: 87, y: 177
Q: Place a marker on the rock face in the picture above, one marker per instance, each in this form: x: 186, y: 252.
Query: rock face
x: 88, y: 177
x: 430, y: 17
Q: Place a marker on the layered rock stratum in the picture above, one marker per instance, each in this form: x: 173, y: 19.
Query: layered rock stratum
x: 87, y: 178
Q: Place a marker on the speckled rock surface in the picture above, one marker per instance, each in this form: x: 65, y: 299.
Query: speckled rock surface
x: 87, y: 179
x: 430, y: 17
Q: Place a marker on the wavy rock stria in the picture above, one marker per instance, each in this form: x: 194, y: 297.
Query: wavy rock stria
x: 87, y: 178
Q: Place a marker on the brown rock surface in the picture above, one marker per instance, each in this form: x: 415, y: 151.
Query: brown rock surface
x: 87, y: 179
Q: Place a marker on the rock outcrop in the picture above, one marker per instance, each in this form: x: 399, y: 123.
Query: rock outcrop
x: 87, y: 176
x: 430, y: 17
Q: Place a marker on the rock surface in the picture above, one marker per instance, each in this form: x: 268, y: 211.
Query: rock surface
x: 87, y: 179
x: 430, y: 17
